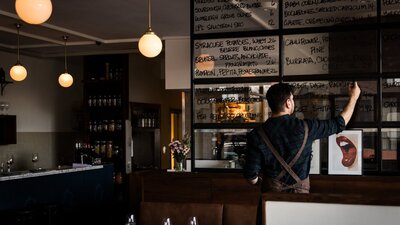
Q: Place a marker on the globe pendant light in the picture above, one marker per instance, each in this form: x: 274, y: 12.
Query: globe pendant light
x: 65, y: 79
x: 150, y: 44
x: 34, y: 11
x: 18, y: 72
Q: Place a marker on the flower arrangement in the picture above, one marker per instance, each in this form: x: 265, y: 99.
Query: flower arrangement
x: 180, y: 149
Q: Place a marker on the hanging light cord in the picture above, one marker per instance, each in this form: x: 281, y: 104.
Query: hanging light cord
x: 149, y: 4
x: 18, y: 25
x: 65, y: 52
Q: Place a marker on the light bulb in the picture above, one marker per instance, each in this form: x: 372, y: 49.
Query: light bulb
x: 34, y: 11
x: 150, y: 44
x: 18, y: 72
x: 65, y: 80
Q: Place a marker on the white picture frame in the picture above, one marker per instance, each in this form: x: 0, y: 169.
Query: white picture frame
x: 345, y: 153
x: 315, y: 167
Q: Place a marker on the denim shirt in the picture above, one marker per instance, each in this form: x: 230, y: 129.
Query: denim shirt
x: 286, y: 134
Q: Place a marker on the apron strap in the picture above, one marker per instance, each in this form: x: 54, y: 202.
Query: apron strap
x: 279, y: 157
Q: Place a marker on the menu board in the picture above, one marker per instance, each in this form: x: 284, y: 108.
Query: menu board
x: 306, y: 54
x: 236, y: 57
x: 319, y: 13
x: 216, y: 16
x: 323, y: 99
x: 390, y: 52
x: 330, y: 53
x: 390, y: 10
x: 391, y: 100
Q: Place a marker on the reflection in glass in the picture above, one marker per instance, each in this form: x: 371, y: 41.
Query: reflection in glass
x: 233, y: 16
x: 327, y: 13
x: 390, y: 54
x: 220, y: 148
x: 369, y: 150
x: 390, y: 148
x: 391, y: 100
x: 236, y: 57
x: 230, y: 103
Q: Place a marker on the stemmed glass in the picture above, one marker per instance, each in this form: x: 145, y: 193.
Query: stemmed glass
x: 166, y: 221
x: 10, y: 161
x: 192, y: 220
x: 35, y: 159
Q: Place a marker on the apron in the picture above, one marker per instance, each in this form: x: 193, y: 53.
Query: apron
x: 275, y: 184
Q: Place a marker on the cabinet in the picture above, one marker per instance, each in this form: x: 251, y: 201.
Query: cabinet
x: 235, y: 61
x: 8, y: 129
x: 145, y: 135
x: 106, y: 109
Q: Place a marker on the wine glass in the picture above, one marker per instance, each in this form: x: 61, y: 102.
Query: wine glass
x: 166, y: 221
x: 35, y: 159
x: 10, y: 161
x: 192, y: 220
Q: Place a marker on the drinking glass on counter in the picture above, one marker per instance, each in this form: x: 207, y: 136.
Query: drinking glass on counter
x: 166, y: 221
x: 192, y: 220
x: 35, y: 159
x: 10, y: 161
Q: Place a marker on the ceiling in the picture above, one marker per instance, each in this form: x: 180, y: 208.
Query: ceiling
x: 93, y: 26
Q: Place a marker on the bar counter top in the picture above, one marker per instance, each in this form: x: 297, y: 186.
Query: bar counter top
x: 46, y: 172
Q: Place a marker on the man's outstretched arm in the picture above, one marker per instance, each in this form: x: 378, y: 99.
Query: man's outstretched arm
x: 354, y: 93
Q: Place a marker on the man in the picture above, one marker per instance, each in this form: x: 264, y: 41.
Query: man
x: 280, y: 150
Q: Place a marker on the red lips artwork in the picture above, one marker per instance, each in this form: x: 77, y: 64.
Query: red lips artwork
x: 349, y: 150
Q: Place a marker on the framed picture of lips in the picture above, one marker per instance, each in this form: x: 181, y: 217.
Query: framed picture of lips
x: 345, y: 153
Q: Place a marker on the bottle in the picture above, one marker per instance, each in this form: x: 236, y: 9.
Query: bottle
x: 105, y: 125
x: 100, y: 101
x: 94, y: 101
x: 118, y: 126
x: 94, y: 127
x: 97, y: 147
x: 103, y: 149
x: 90, y: 126
x: 119, y: 100
x: 114, y: 101
x: 131, y: 220
x: 109, y: 149
x: 90, y: 101
x: 111, y: 126
x: 109, y: 101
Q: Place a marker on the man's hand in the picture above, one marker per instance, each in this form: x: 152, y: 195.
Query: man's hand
x: 354, y: 94
x: 354, y: 90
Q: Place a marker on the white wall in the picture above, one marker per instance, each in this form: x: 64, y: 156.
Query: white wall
x: 309, y: 213
x: 177, y: 63
x: 45, y: 111
x: 40, y: 103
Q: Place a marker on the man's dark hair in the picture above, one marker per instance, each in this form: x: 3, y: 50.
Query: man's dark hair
x: 277, y: 94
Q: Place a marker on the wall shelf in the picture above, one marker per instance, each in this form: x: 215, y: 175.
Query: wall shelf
x: 3, y: 85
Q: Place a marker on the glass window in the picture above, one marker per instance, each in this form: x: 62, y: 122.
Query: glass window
x: 220, y: 148
x: 390, y: 149
x: 391, y: 100
x: 330, y: 53
x: 236, y: 57
x: 231, y: 16
x: 305, y: 13
x: 230, y: 103
x: 390, y: 11
x: 390, y: 53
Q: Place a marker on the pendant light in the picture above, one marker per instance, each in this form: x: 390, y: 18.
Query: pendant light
x: 65, y: 79
x: 34, y: 11
x: 150, y: 44
x: 18, y: 72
